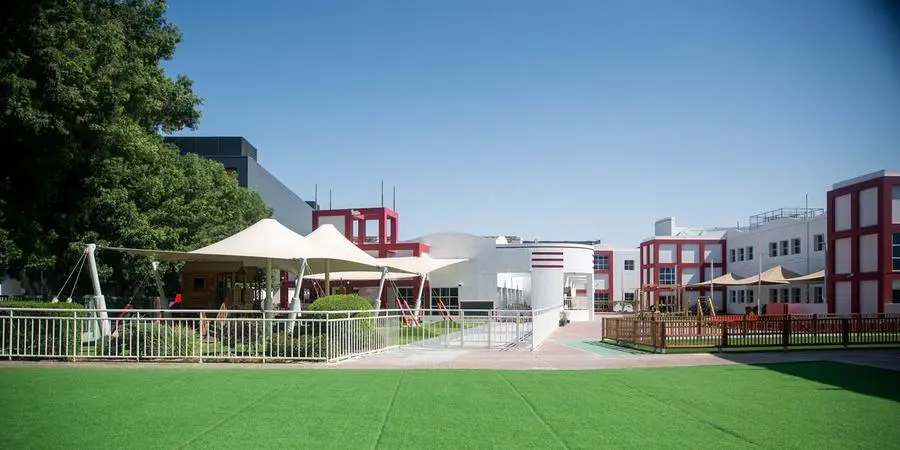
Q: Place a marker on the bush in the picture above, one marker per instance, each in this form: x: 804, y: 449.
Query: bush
x: 333, y: 304
x: 155, y: 339
x: 342, y: 302
x: 245, y: 333
x: 284, y: 345
x: 39, y: 336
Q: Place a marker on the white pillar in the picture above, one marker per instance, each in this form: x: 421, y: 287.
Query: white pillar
x: 99, y: 300
x: 154, y: 266
x: 327, y: 277
x: 421, y: 293
x: 267, y: 304
x: 295, y: 302
x: 384, y: 272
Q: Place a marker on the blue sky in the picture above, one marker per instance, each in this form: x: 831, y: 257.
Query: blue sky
x: 550, y: 120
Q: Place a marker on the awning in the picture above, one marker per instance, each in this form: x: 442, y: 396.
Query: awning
x: 813, y: 278
x: 729, y: 279
x: 418, y: 264
x: 268, y: 240
x: 360, y: 276
x: 775, y: 275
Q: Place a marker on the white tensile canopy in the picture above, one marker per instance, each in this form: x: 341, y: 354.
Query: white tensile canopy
x: 775, y: 275
x: 813, y: 278
x: 729, y: 279
x: 361, y: 276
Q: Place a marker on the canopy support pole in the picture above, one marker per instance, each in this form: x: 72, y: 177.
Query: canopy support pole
x: 419, y: 296
x: 384, y: 272
x: 99, y: 299
x: 154, y: 267
x: 327, y: 277
x: 267, y: 303
x: 295, y: 302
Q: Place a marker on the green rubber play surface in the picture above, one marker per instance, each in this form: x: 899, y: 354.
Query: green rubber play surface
x: 602, y: 348
x: 796, y: 405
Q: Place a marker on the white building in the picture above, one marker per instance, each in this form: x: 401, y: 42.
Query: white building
x: 791, y: 238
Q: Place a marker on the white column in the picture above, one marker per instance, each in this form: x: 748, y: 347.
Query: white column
x: 384, y: 272
x: 154, y: 266
x: 327, y: 277
x: 296, y: 302
x: 419, y: 296
x: 267, y: 303
x: 99, y: 300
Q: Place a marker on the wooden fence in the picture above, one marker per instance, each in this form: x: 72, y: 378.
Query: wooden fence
x: 660, y: 333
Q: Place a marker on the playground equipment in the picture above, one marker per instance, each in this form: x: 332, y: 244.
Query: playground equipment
x: 705, y: 306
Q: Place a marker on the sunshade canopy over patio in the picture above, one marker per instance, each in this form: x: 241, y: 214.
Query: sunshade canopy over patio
x: 413, y: 266
x: 775, y: 275
x: 813, y: 278
x: 270, y: 241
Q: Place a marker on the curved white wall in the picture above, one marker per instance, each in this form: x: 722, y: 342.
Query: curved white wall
x: 475, y: 278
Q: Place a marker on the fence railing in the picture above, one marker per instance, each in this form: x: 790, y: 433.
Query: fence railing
x: 254, y: 336
x: 659, y: 334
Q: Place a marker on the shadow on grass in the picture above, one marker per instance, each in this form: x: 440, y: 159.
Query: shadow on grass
x: 837, y: 376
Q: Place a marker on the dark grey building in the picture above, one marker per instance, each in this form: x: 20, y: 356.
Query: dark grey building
x: 239, y: 156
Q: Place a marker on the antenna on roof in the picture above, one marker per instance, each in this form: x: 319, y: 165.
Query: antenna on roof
x: 382, y: 192
x: 329, y: 199
x: 316, y: 196
x: 394, y: 201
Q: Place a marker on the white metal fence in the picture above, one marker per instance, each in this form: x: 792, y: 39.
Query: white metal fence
x: 252, y: 336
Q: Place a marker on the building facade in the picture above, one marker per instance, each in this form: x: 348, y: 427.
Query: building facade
x: 240, y: 159
x: 863, y: 249
x: 793, y: 238
x: 616, y: 278
x: 675, y: 258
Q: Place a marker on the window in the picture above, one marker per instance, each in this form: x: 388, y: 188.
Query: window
x: 601, y: 301
x: 742, y: 297
x: 749, y: 253
x: 406, y: 294
x: 731, y: 255
x: 629, y: 296
x: 199, y: 284
x: 733, y: 295
x: 773, y: 295
x: 819, y: 242
x: 741, y: 254
x: 819, y: 294
x: 896, y: 295
x: 449, y: 296
x: 666, y: 275
x: 795, y: 295
x: 795, y: 246
x: 895, y: 252
x: 601, y: 262
x: 784, y: 248
x: 785, y: 295
x: 773, y: 249
x: 750, y: 298
x: 629, y: 264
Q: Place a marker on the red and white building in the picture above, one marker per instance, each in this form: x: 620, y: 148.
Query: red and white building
x: 863, y: 257
x: 616, y: 277
x: 675, y: 257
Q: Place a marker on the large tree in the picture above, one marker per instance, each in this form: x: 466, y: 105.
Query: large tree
x: 83, y: 100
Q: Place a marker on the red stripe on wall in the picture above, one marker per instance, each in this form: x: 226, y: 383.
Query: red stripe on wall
x: 543, y: 266
x: 547, y: 259
x: 547, y: 253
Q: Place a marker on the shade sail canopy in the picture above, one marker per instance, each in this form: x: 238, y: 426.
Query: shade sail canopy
x: 269, y: 240
x: 327, y: 242
x: 418, y: 264
x: 360, y: 276
x: 813, y: 278
x: 775, y: 275
x: 729, y: 279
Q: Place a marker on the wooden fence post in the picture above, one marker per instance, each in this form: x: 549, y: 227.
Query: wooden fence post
x: 724, y: 343
x: 845, y: 332
x: 786, y: 332
x: 662, y: 335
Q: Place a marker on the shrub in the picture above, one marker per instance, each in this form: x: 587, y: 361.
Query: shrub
x: 156, y: 339
x: 284, y: 345
x: 247, y: 334
x: 45, y: 333
x: 333, y: 304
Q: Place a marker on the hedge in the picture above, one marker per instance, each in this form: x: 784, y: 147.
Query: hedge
x: 152, y: 339
x: 37, y: 336
x: 342, y: 302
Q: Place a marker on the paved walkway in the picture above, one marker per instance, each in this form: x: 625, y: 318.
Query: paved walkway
x: 559, y: 354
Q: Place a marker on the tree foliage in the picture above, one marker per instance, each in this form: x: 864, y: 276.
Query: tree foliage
x: 83, y: 100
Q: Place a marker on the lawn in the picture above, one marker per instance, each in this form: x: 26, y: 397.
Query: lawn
x: 798, y: 405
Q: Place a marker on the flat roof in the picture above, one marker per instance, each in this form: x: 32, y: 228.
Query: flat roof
x: 866, y: 177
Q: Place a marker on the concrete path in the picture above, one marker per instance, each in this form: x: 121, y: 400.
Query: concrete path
x: 558, y: 354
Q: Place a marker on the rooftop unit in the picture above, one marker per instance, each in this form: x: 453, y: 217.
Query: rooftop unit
x: 761, y: 219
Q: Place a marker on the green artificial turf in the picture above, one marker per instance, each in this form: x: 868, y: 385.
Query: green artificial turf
x: 795, y: 405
